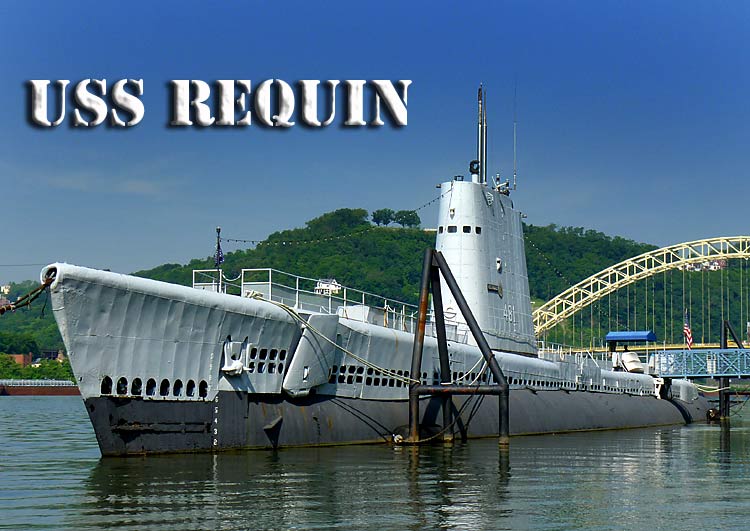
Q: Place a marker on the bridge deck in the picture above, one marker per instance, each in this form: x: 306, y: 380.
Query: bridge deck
x: 703, y: 363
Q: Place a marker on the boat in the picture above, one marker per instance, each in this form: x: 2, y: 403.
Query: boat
x: 22, y: 387
x: 293, y: 361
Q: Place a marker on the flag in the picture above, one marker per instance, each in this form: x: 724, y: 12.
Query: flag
x: 219, y: 258
x: 686, y: 330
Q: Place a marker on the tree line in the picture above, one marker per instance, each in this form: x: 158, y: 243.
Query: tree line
x: 405, y: 218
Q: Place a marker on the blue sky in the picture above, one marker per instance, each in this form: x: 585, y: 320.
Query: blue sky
x: 633, y: 120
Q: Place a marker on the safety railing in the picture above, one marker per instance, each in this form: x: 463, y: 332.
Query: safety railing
x: 560, y: 352
x: 323, y: 296
x: 36, y: 383
x: 209, y: 280
x: 703, y: 363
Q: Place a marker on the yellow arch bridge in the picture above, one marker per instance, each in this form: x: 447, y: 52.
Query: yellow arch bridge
x: 618, y: 276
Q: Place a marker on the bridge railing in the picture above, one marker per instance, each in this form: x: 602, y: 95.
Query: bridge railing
x: 703, y: 363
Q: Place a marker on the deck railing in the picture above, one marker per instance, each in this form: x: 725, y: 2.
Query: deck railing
x: 316, y: 295
x: 703, y: 363
x: 36, y: 383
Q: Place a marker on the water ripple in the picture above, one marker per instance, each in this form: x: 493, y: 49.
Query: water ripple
x: 53, y: 478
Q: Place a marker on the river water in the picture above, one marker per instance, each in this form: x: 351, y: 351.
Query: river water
x: 51, y: 477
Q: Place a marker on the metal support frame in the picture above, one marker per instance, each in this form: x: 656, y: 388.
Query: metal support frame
x: 725, y: 394
x: 434, y: 265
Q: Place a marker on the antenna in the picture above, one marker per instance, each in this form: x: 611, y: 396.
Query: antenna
x: 480, y: 151
x: 515, y: 124
x: 484, y: 138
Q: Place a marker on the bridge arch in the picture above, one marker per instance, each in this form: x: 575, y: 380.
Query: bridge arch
x: 609, y: 280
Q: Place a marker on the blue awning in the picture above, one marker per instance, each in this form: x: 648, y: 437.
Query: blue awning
x: 631, y: 337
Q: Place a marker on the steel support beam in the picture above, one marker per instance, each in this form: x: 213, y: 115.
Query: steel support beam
x: 433, y: 266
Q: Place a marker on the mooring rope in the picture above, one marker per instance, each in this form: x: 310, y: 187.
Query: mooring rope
x: 297, y: 317
x: 26, y: 300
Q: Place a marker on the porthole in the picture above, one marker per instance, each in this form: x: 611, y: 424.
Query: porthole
x: 203, y: 389
x: 177, y: 389
x: 106, y: 388
x: 136, y: 387
x: 151, y: 387
x: 467, y: 229
x: 164, y: 387
x: 190, y: 389
x: 122, y: 386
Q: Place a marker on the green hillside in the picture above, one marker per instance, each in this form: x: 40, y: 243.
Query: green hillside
x: 385, y: 260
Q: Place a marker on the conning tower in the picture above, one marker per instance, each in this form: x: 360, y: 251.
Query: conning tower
x: 480, y: 233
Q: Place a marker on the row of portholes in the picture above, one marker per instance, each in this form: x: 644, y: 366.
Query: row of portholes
x: 534, y: 383
x: 355, y: 374
x: 466, y: 229
x: 264, y: 353
x: 263, y: 366
x: 165, y: 388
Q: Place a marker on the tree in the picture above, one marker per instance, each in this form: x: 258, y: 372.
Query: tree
x: 8, y: 367
x: 383, y: 216
x: 18, y: 343
x: 337, y: 221
x: 407, y: 218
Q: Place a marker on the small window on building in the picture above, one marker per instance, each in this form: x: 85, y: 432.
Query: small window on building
x: 452, y: 229
x: 467, y: 229
x: 440, y: 229
x: 478, y: 229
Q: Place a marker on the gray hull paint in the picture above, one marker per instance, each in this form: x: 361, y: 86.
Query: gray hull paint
x: 237, y: 420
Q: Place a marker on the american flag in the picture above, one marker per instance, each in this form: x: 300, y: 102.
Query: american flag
x: 219, y: 257
x: 686, y: 330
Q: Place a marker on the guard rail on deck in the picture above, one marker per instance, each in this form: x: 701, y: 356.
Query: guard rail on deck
x: 559, y: 352
x: 316, y: 295
x: 703, y: 363
x: 36, y: 383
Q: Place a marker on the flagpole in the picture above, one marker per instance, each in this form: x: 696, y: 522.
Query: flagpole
x: 218, y: 257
